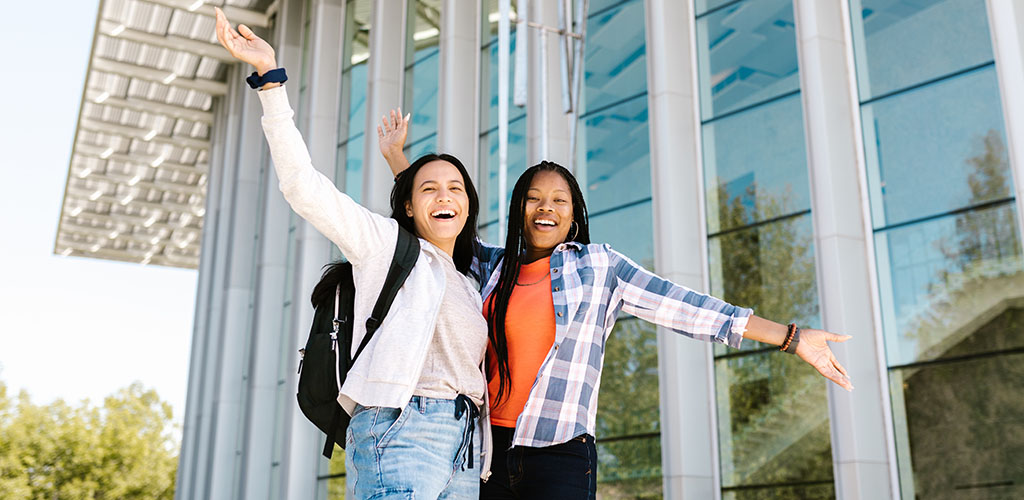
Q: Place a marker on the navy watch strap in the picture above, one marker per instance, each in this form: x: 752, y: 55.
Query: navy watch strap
x: 273, y: 76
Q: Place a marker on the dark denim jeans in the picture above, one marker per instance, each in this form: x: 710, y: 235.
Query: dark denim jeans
x: 566, y: 471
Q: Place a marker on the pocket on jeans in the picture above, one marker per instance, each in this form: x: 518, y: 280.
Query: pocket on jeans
x: 390, y: 420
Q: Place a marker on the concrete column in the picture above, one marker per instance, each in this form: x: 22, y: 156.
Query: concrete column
x: 384, y: 91
x: 312, y: 250
x: 546, y: 13
x: 458, y: 99
x: 1006, y: 22
x: 233, y: 331
x: 863, y: 448
x: 688, y: 458
x: 191, y: 445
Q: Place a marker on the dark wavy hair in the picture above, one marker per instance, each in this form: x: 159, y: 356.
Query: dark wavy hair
x: 515, y: 245
x: 402, y: 193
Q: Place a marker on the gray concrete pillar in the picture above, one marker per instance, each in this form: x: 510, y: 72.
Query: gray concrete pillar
x: 1006, y: 22
x: 863, y: 448
x: 384, y: 92
x: 688, y: 459
x: 458, y: 94
x: 312, y: 250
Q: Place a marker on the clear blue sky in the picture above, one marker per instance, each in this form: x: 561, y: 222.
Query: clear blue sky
x: 71, y: 328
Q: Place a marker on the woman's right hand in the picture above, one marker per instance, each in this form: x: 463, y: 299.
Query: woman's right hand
x: 244, y: 45
x: 391, y: 135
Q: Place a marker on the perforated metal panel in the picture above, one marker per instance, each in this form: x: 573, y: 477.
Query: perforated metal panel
x: 139, y: 165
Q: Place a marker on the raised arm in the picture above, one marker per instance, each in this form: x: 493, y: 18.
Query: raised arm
x: 391, y: 135
x: 358, y: 232
x: 660, y: 301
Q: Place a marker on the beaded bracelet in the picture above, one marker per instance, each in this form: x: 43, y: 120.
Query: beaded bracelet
x: 792, y: 338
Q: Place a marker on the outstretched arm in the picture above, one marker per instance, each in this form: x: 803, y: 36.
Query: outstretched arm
x: 660, y: 301
x: 391, y: 135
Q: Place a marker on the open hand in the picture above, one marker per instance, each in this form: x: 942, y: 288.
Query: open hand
x: 244, y: 45
x: 391, y: 133
x: 813, y: 348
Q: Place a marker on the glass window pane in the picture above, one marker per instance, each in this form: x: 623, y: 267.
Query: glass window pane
x: 769, y: 268
x: 422, y: 62
x: 746, y: 54
x: 350, y: 167
x: 924, y: 147
x: 629, y: 469
x: 489, y: 86
x: 706, y: 5
x: 630, y: 463
x: 755, y: 165
x: 616, y: 142
x: 899, y: 43
x: 963, y: 423
x: 489, y: 20
x: 615, y: 59
x: 516, y: 164
x: 421, y: 83
x: 772, y: 421
x: 937, y: 278
x: 822, y: 490
x: 426, y: 145
x: 353, y: 102
x: 629, y: 231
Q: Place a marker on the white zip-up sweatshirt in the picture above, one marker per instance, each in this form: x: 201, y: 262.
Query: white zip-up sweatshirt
x: 387, y: 371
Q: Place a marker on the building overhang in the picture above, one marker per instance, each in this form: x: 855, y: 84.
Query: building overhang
x: 136, y: 184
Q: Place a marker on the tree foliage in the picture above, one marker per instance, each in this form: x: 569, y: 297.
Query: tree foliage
x: 124, y: 449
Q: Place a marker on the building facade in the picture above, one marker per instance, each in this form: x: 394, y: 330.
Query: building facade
x: 852, y: 165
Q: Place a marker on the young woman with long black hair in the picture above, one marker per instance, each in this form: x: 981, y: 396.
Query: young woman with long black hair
x: 550, y: 311
x: 416, y: 391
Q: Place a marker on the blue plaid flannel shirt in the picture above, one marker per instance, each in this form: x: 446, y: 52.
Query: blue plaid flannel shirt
x: 590, y: 284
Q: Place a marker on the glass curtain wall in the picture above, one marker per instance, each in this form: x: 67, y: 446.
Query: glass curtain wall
x: 422, y: 63
x: 352, y: 112
x: 516, y: 160
x: 614, y: 172
x: 950, y: 274
x: 773, y: 426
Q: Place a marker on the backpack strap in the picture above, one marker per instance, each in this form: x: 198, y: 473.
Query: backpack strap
x: 406, y: 252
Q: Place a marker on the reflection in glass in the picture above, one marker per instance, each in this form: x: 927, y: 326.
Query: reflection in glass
x: 352, y: 112
x: 746, y: 54
x: 489, y: 85
x: 516, y: 166
x: 906, y: 42
x: 628, y: 420
x: 769, y: 268
x: 961, y: 435
x: 422, y: 62
x: 706, y: 5
x: 489, y: 20
x: 755, y: 165
x: 426, y: 145
x: 628, y: 230
x: 938, y: 277
x: 923, y: 147
x: 615, y: 59
x: 772, y: 422
x: 617, y: 147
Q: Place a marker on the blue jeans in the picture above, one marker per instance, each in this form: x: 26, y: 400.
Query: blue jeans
x: 418, y: 452
x: 566, y: 471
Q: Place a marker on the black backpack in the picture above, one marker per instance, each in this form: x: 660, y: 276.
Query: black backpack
x: 325, y: 360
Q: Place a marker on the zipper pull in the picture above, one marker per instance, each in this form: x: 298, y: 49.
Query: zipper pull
x: 302, y: 357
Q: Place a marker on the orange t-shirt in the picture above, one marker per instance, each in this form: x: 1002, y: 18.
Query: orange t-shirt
x: 529, y: 334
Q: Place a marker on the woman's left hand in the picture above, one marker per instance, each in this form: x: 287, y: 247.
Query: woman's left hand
x: 813, y: 348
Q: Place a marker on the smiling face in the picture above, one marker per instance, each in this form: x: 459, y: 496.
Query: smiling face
x: 439, y: 206
x: 547, y: 216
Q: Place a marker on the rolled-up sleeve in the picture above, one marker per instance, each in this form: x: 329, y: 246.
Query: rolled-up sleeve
x: 674, y: 306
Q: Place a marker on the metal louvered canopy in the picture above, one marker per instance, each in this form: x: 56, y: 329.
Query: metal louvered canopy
x: 139, y: 164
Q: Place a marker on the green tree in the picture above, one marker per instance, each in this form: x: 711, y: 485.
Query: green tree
x: 124, y: 449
